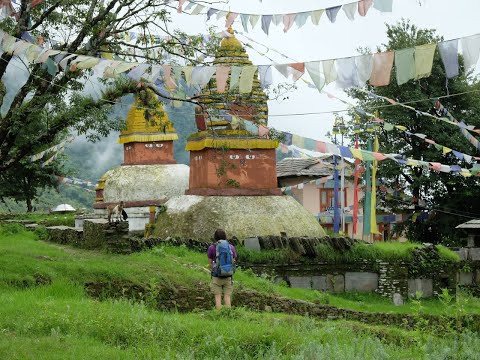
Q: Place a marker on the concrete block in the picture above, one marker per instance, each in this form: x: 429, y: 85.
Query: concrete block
x: 425, y: 286
x: 361, y: 281
x: 303, y: 282
x: 477, y: 277
x: 252, y: 244
x: 336, y: 283
x: 474, y: 254
x: 465, y: 278
x: 319, y: 283
x: 463, y: 253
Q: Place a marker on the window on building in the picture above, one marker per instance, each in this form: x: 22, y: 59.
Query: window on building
x: 327, y: 199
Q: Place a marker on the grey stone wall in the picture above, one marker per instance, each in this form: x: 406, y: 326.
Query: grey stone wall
x: 361, y: 281
x: 420, y: 287
x: 392, y: 278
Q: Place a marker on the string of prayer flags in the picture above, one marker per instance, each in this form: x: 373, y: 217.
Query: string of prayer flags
x: 450, y: 120
x: 459, y: 155
x: 287, y: 20
x: 317, y: 182
x: 53, y: 149
x: 368, y: 155
x: 75, y: 181
x: 413, y: 63
x: 463, y: 128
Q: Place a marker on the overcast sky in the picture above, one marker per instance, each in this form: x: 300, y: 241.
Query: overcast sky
x: 327, y: 41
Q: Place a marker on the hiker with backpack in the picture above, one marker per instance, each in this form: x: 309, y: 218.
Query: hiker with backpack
x: 221, y: 257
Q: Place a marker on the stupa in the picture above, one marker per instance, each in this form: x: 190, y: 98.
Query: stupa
x: 149, y: 175
x: 233, y: 183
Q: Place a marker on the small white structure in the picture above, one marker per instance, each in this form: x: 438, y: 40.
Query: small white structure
x: 63, y: 208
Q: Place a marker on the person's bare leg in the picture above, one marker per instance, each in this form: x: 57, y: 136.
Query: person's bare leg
x: 218, y: 301
x: 228, y: 301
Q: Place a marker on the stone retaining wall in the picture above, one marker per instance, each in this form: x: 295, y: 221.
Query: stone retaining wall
x: 184, y: 299
x: 381, y: 277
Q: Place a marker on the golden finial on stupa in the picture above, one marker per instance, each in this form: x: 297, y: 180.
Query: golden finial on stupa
x: 230, y: 41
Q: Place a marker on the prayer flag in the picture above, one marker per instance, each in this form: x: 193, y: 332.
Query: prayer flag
x: 221, y: 77
x: 367, y: 196
x: 383, y: 5
x: 471, y: 50
x: 329, y: 70
x: 449, y: 54
x: 363, y: 6
x: 266, y: 20
x: 382, y: 68
x: 346, y: 73
x: 316, y: 16
x: 246, y: 79
x: 315, y: 73
x: 424, y: 60
x: 350, y: 10
x: 373, y: 203
x: 405, y: 65
x: 332, y: 13
x: 364, y: 68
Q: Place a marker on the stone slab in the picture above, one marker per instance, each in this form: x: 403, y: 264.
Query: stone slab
x: 474, y: 254
x: 303, y: 282
x: 465, y: 278
x: 252, y: 244
x: 425, y: 286
x: 361, y: 281
x: 463, y: 253
x: 319, y: 283
x: 335, y: 283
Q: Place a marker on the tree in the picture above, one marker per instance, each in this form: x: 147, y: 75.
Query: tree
x: 24, y: 180
x: 449, y: 198
x: 47, y: 105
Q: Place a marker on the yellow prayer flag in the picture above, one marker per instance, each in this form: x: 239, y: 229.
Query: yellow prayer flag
x: 373, y: 203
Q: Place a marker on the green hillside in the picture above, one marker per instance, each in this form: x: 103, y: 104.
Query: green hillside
x: 59, y: 302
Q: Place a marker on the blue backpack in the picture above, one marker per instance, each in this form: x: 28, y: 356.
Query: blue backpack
x: 223, y: 266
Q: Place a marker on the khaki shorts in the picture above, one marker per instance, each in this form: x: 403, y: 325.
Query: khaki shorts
x: 220, y: 286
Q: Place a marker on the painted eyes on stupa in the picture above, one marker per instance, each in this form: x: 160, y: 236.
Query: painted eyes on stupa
x: 236, y: 157
x: 153, y: 145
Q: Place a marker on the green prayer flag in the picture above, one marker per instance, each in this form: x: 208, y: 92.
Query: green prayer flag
x: 246, y: 79
x: 367, y: 155
x: 387, y: 126
x: 405, y: 65
x: 235, y: 76
x: 424, y: 60
x: 368, y: 195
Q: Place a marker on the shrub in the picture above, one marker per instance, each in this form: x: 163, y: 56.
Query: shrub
x: 41, y: 232
x: 11, y: 229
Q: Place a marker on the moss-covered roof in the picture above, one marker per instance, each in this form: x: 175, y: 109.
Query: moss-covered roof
x: 139, y: 129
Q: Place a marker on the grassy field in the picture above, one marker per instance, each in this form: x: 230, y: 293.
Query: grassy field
x: 54, y: 318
